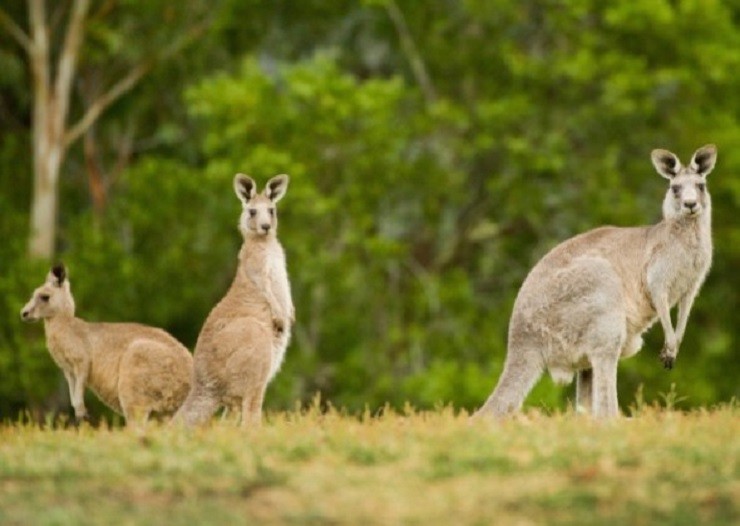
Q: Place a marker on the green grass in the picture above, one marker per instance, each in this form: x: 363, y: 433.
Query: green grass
x: 660, y: 467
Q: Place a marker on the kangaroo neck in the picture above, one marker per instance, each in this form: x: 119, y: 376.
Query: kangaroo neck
x: 256, y: 246
x: 59, y: 323
x: 253, y: 258
x: 686, y: 225
x: 62, y: 332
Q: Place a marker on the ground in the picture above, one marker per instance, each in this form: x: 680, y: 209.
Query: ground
x: 313, y: 467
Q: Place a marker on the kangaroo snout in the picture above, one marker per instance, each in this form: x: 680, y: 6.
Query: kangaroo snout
x: 691, y: 205
x: 25, y: 314
x: 265, y: 227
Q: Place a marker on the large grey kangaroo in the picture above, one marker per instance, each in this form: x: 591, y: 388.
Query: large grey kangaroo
x: 587, y: 303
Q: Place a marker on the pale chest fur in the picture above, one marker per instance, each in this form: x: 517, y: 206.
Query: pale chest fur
x: 681, y: 259
x: 265, y: 262
x: 267, y: 257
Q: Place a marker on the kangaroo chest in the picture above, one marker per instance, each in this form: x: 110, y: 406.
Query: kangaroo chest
x: 68, y: 349
x: 265, y: 268
x: 696, y: 259
x: 683, y: 264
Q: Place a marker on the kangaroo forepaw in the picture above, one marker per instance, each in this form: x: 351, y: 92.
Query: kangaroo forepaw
x: 278, y: 325
x: 668, y: 357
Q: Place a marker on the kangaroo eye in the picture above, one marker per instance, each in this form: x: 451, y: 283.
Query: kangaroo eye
x: 700, y: 186
x: 272, y: 211
x: 252, y: 212
x: 44, y: 297
x: 676, y: 189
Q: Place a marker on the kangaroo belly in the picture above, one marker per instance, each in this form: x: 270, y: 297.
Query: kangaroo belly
x: 281, y: 342
x: 106, y: 389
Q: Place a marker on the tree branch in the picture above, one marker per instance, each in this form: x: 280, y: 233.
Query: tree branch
x: 412, y: 53
x: 128, y: 82
x: 109, y: 97
x: 68, y: 59
x: 40, y: 44
x: 38, y: 58
x: 104, y: 9
x: 15, y: 31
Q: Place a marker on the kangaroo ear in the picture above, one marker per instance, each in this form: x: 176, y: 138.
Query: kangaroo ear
x: 245, y: 187
x: 703, y: 160
x: 58, y: 274
x: 666, y: 163
x: 276, y: 187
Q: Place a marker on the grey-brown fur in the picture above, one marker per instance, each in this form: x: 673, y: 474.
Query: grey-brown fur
x: 134, y: 369
x: 243, y: 341
x: 587, y: 303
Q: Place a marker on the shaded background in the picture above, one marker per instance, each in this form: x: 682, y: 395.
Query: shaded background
x: 436, y: 151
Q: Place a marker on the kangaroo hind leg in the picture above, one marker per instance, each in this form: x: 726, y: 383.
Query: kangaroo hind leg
x: 584, y: 391
x: 252, y: 407
x: 604, y: 403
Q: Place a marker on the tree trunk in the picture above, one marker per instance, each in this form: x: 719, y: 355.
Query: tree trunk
x: 51, y: 105
x: 51, y: 101
x: 43, y: 204
x: 48, y: 156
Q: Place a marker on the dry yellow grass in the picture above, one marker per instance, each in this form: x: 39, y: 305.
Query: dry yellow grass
x: 660, y: 467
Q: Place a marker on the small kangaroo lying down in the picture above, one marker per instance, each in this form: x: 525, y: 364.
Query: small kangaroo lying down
x: 134, y: 369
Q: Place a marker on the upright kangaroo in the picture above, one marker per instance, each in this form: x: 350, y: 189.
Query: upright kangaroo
x: 587, y: 303
x: 242, y: 343
x: 134, y: 369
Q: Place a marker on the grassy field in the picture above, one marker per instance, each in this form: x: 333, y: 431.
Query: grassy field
x: 659, y: 467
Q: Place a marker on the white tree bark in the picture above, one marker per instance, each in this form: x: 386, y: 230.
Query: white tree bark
x: 51, y: 106
x: 51, y: 100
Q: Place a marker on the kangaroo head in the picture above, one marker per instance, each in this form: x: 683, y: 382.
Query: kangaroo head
x: 52, y: 298
x: 259, y: 215
x: 687, y: 195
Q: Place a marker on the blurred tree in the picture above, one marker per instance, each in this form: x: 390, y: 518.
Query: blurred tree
x: 53, y: 75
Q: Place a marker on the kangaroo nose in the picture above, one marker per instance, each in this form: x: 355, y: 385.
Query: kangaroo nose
x: 24, y: 314
x: 266, y: 227
x: 690, y: 205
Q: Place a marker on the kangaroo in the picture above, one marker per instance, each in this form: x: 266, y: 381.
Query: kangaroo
x: 134, y: 369
x: 243, y: 341
x: 588, y: 301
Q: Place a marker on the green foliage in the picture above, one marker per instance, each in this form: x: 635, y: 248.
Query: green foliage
x: 410, y: 221
x: 360, y: 199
